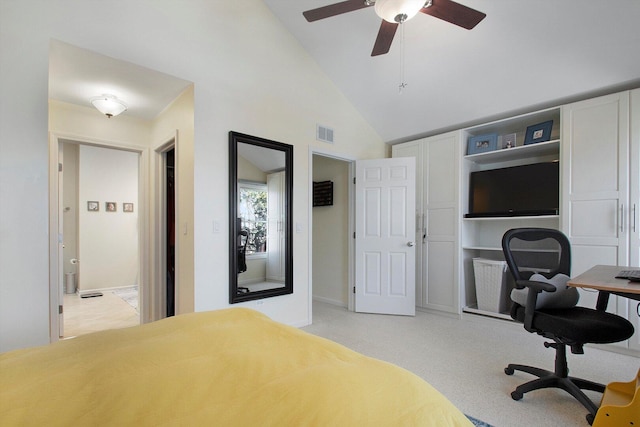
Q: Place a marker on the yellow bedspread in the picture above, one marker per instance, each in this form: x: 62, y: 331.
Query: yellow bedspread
x: 232, y: 367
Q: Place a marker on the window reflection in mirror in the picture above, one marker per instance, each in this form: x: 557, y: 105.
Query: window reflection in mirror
x: 260, y: 218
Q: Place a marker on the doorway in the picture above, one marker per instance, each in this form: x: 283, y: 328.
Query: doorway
x: 99, y: 254
x: 170, y: 230
x: 387, y: 285
x: 331, y: 265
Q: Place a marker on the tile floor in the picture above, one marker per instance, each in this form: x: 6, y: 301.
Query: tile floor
x: 86, y: 315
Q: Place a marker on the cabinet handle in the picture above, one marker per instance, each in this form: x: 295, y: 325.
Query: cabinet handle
x: 424, y: 230
x: 638, y: 309
x: 633, y: 213
x: 622, y: 217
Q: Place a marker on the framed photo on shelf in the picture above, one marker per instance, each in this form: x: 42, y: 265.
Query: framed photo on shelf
x: 538, y: 133
x: 508, y: 141
x: 482, y: 143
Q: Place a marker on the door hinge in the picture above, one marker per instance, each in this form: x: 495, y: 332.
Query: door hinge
x: 354, y: 234
x: 59, y: 167
x: 354, y: 289
x: 354, y: 179
x: 60, y: 309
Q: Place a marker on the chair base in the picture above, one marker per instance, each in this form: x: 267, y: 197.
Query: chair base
x: 549, y: 379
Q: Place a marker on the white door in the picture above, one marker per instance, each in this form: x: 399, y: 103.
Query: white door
x: 60, y: 257
x: 385, y: 236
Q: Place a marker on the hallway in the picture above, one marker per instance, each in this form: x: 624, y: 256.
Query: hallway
x: 110, y: 311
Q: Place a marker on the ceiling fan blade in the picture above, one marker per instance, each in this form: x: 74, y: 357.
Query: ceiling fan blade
x: 334, y: 9
x: 455, y: 13
x: 384, y: 39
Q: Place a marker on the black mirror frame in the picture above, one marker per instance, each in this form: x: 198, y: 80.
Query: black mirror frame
x: 234, y: 139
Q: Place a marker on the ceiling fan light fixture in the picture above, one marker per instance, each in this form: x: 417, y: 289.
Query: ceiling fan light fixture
x: 109, y: 105
x: 398, y: 11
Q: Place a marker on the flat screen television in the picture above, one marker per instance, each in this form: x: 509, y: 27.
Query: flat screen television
x: 515, y: 191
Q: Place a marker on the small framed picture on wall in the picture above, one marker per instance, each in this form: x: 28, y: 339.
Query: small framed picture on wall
x: 93, y: 206
x: 127, y: 207
x: 111, y: 206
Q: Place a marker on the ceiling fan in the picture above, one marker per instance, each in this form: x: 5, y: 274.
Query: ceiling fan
x: 395, y: 12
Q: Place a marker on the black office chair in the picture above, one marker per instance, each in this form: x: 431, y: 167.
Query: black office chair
x: 548, y: 252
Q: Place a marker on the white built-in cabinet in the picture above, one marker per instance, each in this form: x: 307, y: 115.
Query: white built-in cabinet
x: 482, y: 237
x: 634, y: 222
x: 437, y: 225
x: 597, y: 143
x: 275, y: 227
x: 600, y: 190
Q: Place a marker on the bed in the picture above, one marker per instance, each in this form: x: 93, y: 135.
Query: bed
x: 231, y: 367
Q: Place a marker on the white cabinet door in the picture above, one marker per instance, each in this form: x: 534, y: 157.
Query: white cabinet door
x: 634, y: 318
x: 275, y: 227
x: 595, y: 177
x: 385, y: 246
x: 634, y: 215
x: 441, y: 192
x: 599, y: 191
x: 634, y: 181
x: 437, y: 219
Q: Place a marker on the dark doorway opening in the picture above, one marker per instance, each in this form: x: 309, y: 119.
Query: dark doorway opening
x: 171, y: 232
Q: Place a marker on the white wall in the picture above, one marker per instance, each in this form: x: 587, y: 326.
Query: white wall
x: 70, y: 207
x: 108, y: 241
x: 249, y: 75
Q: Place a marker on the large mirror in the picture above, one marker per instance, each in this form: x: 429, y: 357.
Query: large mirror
x: 260, y: 218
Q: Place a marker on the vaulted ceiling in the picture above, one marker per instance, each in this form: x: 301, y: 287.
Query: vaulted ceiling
x: 525, y: 55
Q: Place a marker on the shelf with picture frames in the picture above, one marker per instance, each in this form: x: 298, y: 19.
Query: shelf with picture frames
x: 517, y: 125
x: 541, y: 149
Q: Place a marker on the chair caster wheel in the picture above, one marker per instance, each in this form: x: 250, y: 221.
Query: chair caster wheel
x: 590, y: 418
x: 516, y: 395
x: 509, y: 371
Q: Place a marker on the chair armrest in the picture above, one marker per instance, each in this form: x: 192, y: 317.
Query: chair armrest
x: 532, y: 297
x: 536, y: 286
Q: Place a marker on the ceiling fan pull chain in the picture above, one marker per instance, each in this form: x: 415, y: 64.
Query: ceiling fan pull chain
x: 402, y: 84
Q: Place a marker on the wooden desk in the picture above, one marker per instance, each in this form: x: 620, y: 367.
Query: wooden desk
x: 603, y: 278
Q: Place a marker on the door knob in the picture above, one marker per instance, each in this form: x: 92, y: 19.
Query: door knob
x: 410, y: 244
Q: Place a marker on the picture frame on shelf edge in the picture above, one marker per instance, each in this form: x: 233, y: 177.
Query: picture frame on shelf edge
x: 538, y: 133
x: 482, y: 143
x: 508, y: 141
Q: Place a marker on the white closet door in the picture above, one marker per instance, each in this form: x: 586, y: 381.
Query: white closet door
x: 275, y: 227
x: 595, y: 179
x: 441, y: 218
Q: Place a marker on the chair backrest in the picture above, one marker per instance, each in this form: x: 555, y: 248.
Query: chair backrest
x: 536, y: 250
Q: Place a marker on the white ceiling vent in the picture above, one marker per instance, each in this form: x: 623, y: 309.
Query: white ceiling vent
x: 324, y: 134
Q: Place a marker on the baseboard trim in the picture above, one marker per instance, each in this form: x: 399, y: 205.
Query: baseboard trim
x: 331, y: 301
